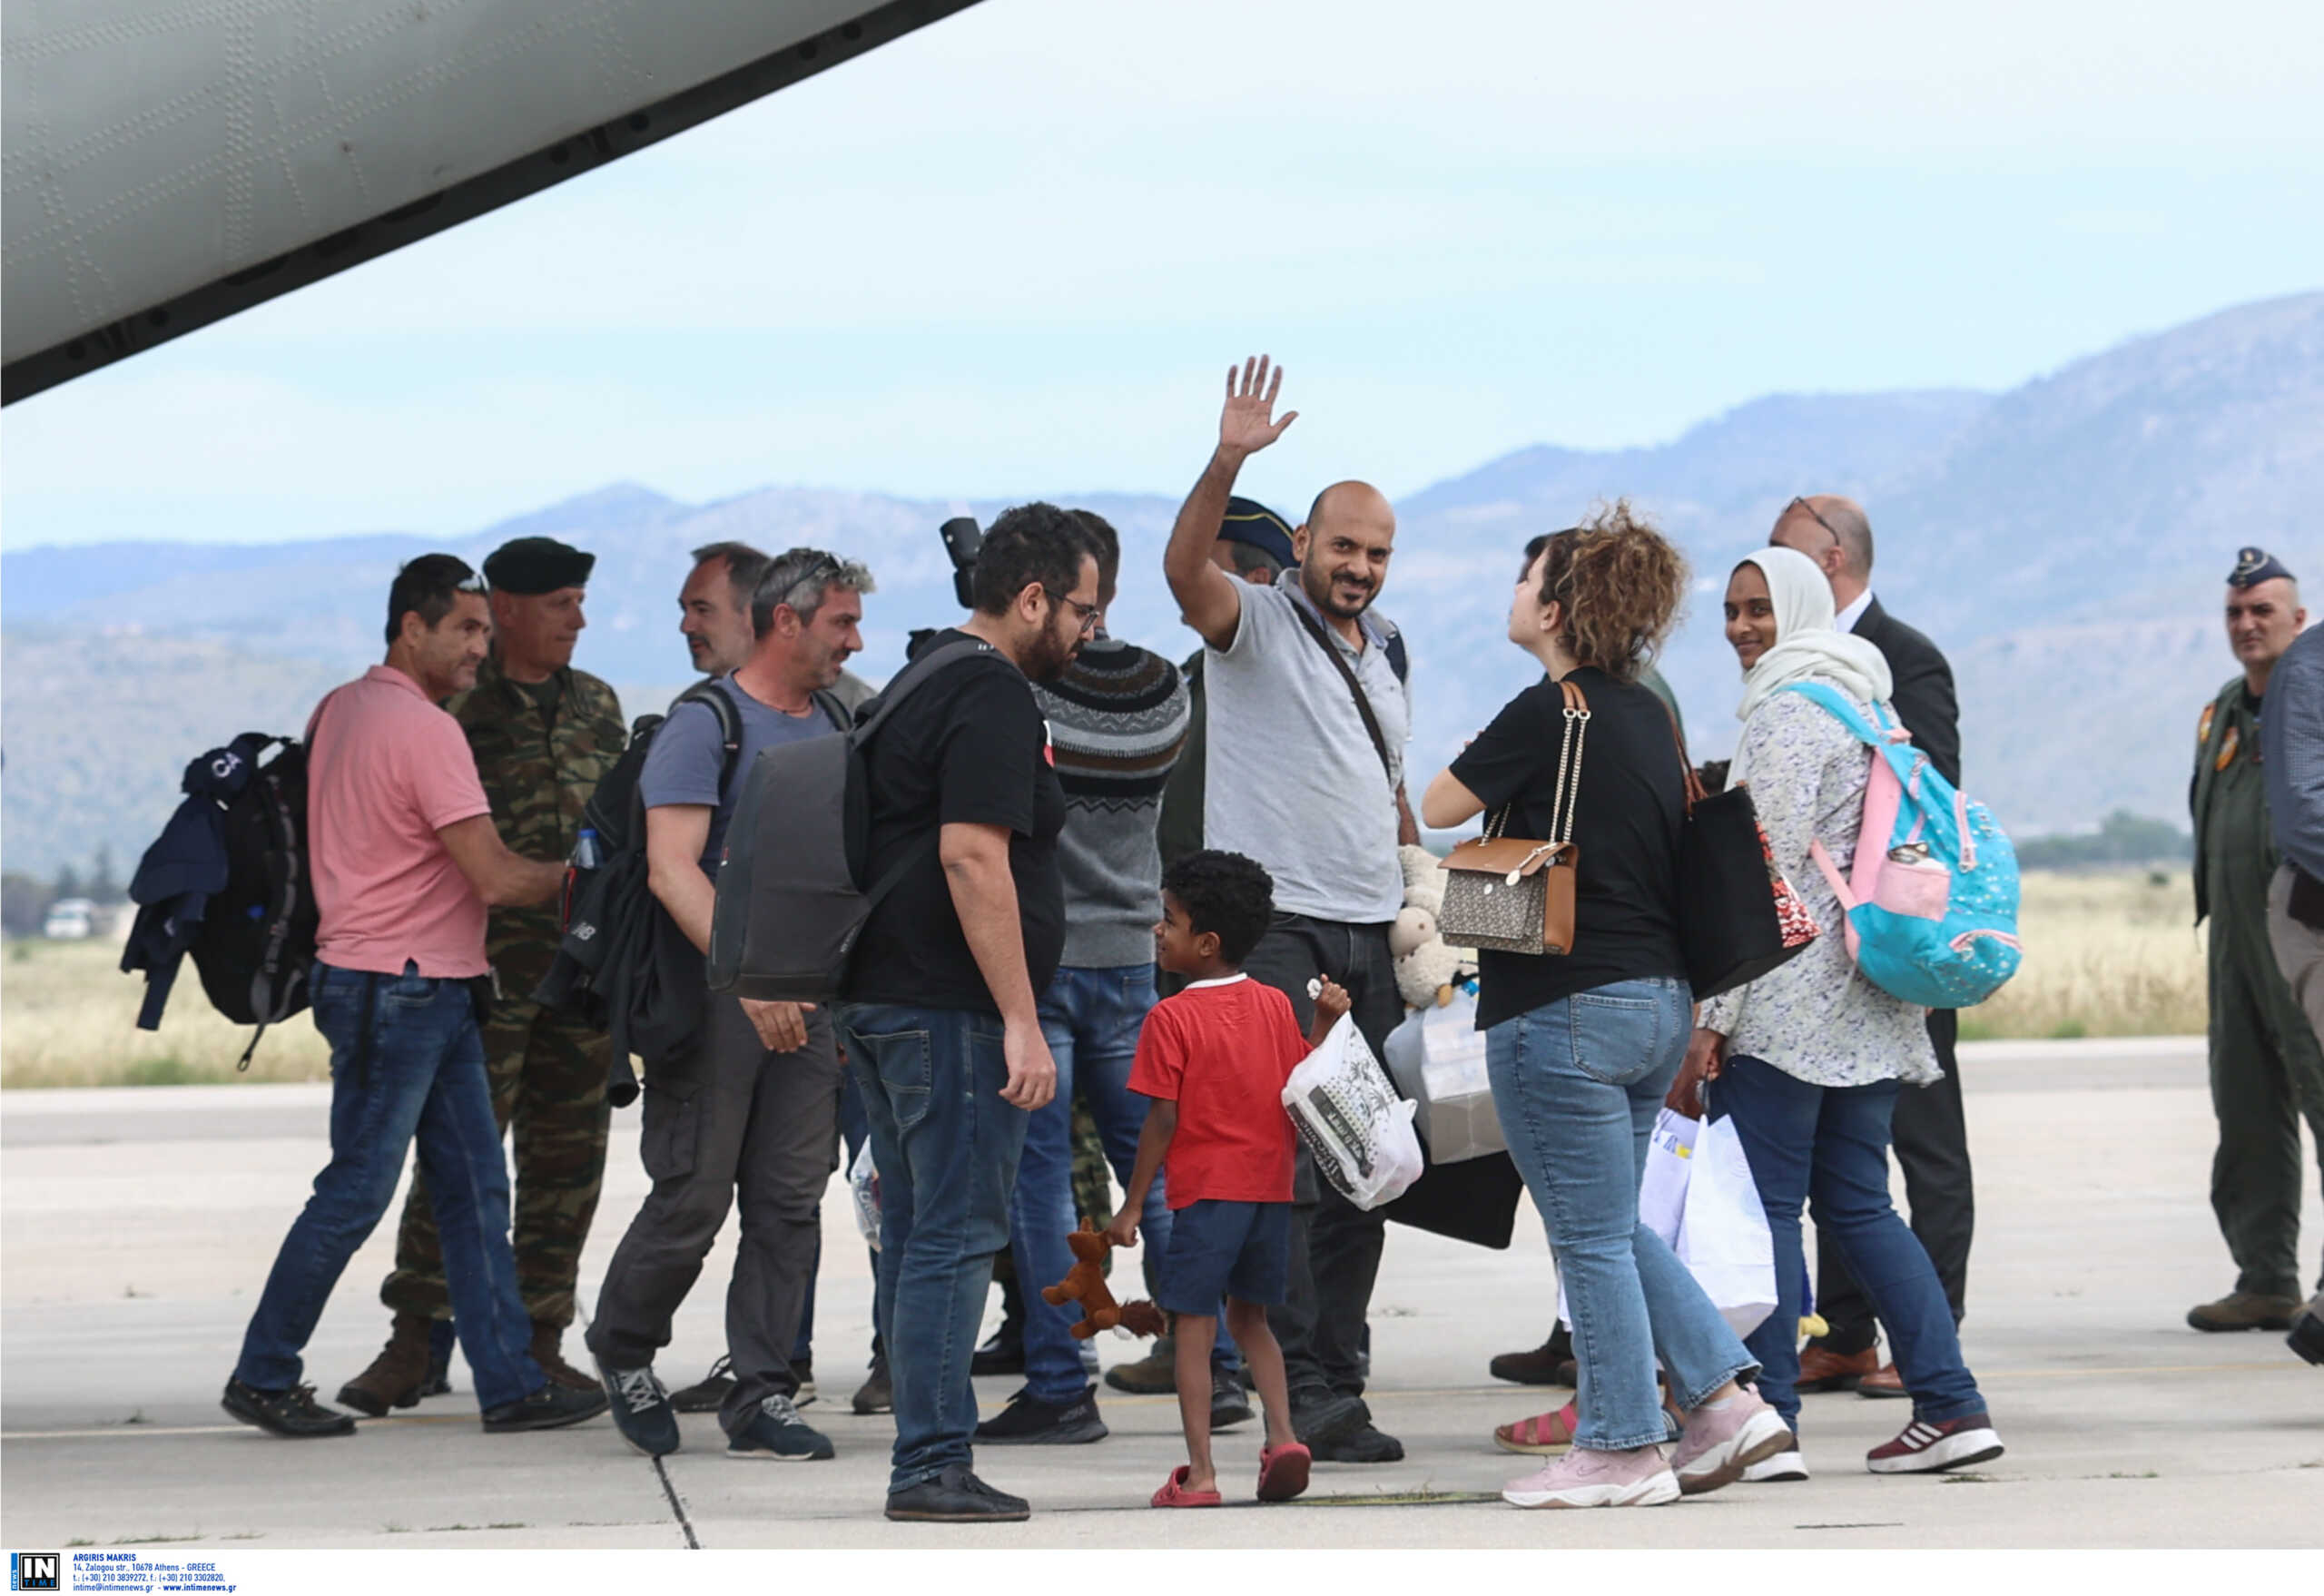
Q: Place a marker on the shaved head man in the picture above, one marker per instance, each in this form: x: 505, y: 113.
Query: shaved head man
x: 1343, y: 549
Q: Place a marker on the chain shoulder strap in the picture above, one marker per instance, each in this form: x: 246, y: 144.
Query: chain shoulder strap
x: 1565, y: 797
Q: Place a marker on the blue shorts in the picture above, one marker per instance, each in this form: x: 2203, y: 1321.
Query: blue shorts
x: 1220, y: 1248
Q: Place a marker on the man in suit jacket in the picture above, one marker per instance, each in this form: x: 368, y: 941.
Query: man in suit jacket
x: 1930, y: 1134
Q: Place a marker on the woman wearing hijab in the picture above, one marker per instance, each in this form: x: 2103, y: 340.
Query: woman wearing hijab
x: 1809, y: 1058
x: 1581, y: 1047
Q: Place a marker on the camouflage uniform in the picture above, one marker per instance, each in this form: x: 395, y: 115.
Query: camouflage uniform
x: 547, y: 1072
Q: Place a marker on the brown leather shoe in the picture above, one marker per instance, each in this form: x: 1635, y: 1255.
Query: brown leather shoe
x: 395, y: 1375
x: 2244, y: 1310
x: 1539, y: 1366
x: 1822, y: 1369
x: 546, y: 1340
x: 1882, y: 1381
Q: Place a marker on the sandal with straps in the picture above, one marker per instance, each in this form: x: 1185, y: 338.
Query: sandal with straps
x: 1543, y: 1434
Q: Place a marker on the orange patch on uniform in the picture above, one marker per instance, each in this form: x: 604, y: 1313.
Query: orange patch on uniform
x: 2203, y: 731
x: 2227, y: 749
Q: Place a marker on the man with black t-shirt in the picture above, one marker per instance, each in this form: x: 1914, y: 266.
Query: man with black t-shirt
x: 943, y: 1027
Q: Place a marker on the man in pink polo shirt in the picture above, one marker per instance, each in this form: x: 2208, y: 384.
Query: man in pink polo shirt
x: 405, y: 860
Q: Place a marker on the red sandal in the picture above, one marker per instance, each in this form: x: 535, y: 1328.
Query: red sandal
x: 1174, y: 1492
x: 1543, y: 1434
x: 1283, y: 1471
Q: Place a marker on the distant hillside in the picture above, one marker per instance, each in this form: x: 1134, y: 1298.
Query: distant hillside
x: 2063, y: 541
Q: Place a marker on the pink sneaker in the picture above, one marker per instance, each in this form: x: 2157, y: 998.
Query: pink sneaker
x: 1719, y: 1444
x: 1598, y: 1479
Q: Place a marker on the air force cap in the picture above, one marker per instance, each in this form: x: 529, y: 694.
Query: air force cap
x: 537, y: 565
x: 1249, y: 521
x: 2255, y: 566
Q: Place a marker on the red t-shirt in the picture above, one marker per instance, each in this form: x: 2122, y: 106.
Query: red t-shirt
x: 1222, y: 1050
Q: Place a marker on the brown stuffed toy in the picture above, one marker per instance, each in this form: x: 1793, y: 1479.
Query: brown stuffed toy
x: 1085, y: 1283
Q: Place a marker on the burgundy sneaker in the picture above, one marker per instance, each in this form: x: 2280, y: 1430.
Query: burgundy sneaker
x: 1927, y: 1449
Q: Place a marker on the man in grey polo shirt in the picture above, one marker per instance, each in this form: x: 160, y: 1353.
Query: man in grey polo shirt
x: 1307, y: 721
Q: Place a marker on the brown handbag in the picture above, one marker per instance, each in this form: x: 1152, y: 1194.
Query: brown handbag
x: 1510, y: 894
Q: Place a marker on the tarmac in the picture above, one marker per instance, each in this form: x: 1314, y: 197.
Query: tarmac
x: 138, y: 1225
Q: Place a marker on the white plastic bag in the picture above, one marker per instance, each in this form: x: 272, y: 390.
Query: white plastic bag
x: 1698, y: 1195
x: 1437, y: 1059
x: 863, y: 1186
x: 1359, y: 1131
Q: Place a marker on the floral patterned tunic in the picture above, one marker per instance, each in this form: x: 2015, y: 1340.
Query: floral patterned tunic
x: 1816, y: 1018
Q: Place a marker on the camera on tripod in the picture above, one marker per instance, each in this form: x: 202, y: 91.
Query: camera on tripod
x: 963, y: 540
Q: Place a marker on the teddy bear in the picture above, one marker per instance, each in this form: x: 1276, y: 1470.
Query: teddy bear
x: 1427, y: 967
x: 1085, y: 1283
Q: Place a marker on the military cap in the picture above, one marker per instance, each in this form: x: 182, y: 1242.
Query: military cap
x: 2255, y: 566
x: 1249, y: 521
x: 536, y: 564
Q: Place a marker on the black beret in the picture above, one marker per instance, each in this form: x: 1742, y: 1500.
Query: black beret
x: 1249, y: 521
x: 537, y: 565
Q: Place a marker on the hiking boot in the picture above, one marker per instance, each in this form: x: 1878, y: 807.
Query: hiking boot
x: 1364, y: 1445
x: 2306, y: 1337
x: 2239, y: 1310
x: 1638, y: 1478
x: 875, y: 1395
x: 1154, y: 1374
x: 956, y: 1496
x: 1719, y: 1442
x: 1028, y: 1421
x: 1538, y: 1367
x: 642, y: 1410
x: 396, y: 1376
x: 776, y: 1434
x: 1229, y: 1404
x: 552, y: 1407
x: 1004, y: 1352
x: 708, y: 1394
x: 294, y: 1413
x: 546, y: 1349
x: 1822, y: 1369
x: 1883, y: 1382
x: 1927, y: 1449
x: 441, y: 1339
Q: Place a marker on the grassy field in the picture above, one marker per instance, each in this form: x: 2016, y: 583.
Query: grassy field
x: 2107, y: 955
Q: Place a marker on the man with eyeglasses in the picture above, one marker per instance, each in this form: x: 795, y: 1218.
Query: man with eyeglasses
x: 1931, y: 1133
x: 941, y: 1017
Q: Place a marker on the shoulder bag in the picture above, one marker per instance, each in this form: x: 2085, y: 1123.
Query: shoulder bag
x: 1510, y: 894
x: 1738, y: 918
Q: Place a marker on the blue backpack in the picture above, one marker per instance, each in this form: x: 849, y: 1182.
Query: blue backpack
x: 1931, y: 898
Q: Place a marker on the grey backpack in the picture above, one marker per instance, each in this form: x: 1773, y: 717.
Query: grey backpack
x: 792, y: 900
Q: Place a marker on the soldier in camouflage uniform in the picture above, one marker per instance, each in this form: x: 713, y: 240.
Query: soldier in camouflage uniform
x: 2265, y: 1066
x: 544, y: 734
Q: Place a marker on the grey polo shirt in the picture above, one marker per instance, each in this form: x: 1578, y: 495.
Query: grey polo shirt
x: 1293, y: 780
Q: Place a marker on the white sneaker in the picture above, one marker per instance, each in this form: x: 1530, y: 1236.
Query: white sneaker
x: 1598, y: 1479
x: 1783, y: 1465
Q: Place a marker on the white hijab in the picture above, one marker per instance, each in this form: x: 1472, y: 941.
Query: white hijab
x: 1807, y: 644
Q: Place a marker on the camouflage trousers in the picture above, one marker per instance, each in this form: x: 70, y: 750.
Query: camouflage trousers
x: 548, y: 1088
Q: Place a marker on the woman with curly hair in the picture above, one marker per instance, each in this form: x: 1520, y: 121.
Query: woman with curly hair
x: 1582, y: 1047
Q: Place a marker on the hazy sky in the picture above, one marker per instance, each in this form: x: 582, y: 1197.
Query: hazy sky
x: 1014, y: 254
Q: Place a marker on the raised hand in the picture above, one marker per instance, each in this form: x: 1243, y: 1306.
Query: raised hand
x: 1247, y: 425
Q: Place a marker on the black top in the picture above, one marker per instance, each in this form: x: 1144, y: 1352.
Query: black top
x: 1922, y: 696
x: 967, y: 746
x: 1626, y: 830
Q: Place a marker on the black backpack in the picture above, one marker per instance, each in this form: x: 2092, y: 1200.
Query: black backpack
x: 791, y: 899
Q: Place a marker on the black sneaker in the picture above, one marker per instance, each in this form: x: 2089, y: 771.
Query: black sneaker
x: 1001, y: 1354
x: 876, y: 1394
x: 2306, y: 1337
x: 1363, y: 1445
x: 708, y: 1394
x: 293, y: 1413
x: 776, y: 1434
x: 552, y: 1407
x: 956, y: 1496
x: 642, y: 1410
x: 1028, y: 1421
x: 1321, y: 1420
x: 805, y: 1373
x: 1228, y: 1405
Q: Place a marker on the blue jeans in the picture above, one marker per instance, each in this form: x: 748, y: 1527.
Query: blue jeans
x: 1092, y: 1018
x: 947, y: 1147
x: 1577, y: 1083
x: 1829, y: 1145
x: 406, y: 1061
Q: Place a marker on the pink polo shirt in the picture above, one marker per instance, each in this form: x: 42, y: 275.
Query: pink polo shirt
x: 386, y: 770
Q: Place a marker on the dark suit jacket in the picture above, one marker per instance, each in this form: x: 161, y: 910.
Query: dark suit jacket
x: 1923, y: 698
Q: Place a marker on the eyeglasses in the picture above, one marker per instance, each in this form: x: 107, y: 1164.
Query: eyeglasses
x: 1801, y: 504
x: 1087, y: 613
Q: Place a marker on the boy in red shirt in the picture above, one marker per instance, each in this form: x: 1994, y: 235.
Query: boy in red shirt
x: 1214, y: 1059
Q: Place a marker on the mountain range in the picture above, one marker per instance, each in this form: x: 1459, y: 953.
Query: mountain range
x: 2064, y: 541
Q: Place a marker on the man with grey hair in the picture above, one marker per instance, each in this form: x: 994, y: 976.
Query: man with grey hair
x: 752, y: 1110
x: 1931, y: 1130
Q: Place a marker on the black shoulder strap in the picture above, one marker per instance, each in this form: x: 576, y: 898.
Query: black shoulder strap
x: 841, y: 717
x: 903, y: 684
x: 730, y: 723
x: 1399, y: 660
x: 1363, y: 704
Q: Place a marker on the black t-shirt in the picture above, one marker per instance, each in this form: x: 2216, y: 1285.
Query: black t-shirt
x: 1626, y: 828
x: 969, y: 746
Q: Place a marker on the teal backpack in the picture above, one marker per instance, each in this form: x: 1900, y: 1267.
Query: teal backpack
x: 1931, y: 898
